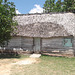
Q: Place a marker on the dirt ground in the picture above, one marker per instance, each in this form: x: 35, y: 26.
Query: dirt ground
x: 5, y: 69
x: 6, y: 64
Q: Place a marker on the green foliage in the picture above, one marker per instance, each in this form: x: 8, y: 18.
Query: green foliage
x: 59, y: 6
x: 68, y: 5
x: 49, y: 6
x: 7, y: 11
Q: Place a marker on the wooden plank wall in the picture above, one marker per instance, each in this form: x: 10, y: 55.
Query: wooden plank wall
x: 27, y: 43
x: 21, y: 42
x: 74, y: 45
x: 46, y: 44
x: 53, y: 44
x: 55, y: 47
x: 74, y: 42
x: 15, y: 42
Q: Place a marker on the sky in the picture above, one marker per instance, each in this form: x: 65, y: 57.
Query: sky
x: 28, y: 6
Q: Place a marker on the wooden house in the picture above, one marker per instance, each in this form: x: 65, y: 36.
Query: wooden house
x: 53, y: 32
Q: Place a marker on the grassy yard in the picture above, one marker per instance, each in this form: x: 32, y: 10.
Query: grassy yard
x: 47, y: 66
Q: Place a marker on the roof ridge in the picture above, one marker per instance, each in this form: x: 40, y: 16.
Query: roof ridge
x: 43, y: 13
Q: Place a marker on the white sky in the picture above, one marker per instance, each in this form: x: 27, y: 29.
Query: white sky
x: 36, y: 9
x: 17, y: 12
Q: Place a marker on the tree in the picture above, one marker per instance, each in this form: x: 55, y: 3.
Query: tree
x: 59, y: 6
x: 73, y: 7
x: 49, y: 5
x: 68, y: 5
x: 7, y: 12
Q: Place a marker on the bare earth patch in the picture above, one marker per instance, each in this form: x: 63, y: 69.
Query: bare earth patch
x: 6, y: 64
x: 26, y: 61
x: 5, y: 69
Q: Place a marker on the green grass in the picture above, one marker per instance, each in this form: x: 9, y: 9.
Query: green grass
x: 47, y: 66
x: 24, y: 56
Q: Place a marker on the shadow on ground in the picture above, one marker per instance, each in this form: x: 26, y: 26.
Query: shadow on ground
x: 9, y: 56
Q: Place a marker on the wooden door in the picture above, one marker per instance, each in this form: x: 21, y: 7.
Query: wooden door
x: 36, y: 44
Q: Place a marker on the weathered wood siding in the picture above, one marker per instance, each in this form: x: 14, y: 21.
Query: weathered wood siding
x: 74, y: 45
x: 21, y: 43
x: 27, y: 43
x: 53, y: 44
x: 74, y: 42
x: 47, y: 45
x: 15, y: 42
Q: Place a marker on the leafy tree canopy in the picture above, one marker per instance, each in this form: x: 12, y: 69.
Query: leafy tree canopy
x: 7, y: 12
x: 59, y: 6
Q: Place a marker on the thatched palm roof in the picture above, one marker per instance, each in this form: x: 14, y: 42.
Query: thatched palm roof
x: 46, y: 25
